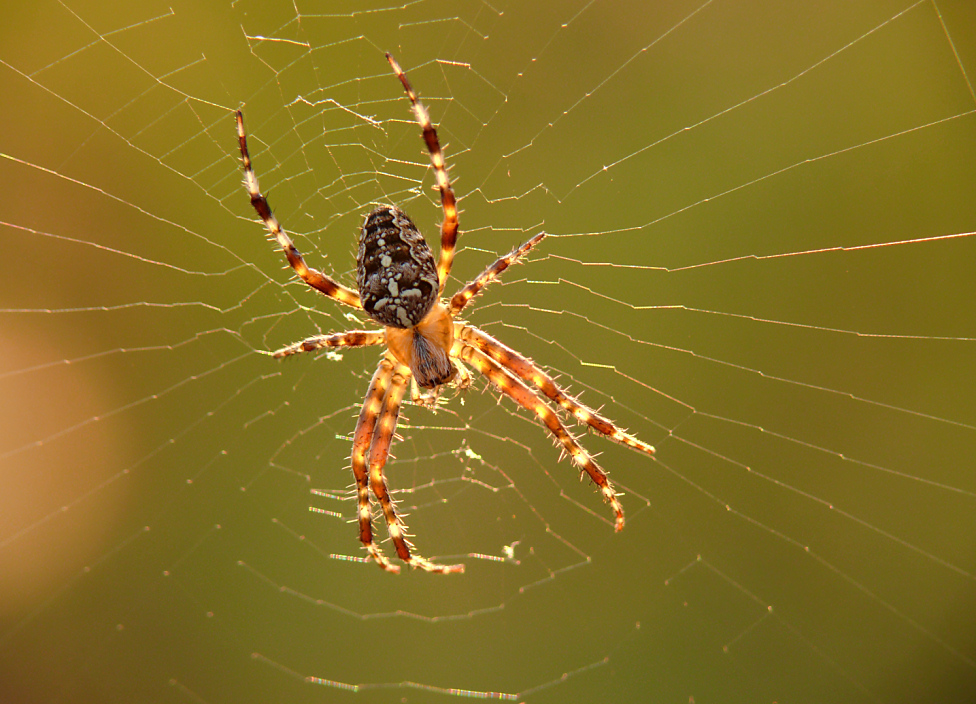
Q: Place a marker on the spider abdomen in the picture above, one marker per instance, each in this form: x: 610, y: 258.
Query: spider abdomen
x: 396, y: 272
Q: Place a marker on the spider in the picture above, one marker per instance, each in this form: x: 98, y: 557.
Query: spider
x: 400, y: 287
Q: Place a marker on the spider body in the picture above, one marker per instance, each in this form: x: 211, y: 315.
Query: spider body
x: 396, y: 271
x: 426, y: 348
x: 400, y: 287
x: 397, y: 279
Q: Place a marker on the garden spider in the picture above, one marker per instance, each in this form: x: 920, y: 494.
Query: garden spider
x: 400, y: 288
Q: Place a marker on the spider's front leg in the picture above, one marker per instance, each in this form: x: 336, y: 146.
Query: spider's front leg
x: 519, y: 392
x: 363, y: 438
x: 379, y: 451
x: 527, y: 371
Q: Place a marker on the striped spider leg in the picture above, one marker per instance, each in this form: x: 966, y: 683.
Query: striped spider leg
x: 524, y: 369
x: 519, y: 392
x: 449, y: 228
x: 314, y: 278
x: 400, y: 287
x: 512, y: 374
x: 370, y: 449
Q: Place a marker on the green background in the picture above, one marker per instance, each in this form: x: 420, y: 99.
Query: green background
x: 760, y: 261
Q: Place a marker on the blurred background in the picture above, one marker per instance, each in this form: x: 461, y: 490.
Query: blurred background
x: 761, y: 224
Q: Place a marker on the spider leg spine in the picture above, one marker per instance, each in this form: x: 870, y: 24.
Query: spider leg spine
x: 525, y: 369
x: 524, y: 396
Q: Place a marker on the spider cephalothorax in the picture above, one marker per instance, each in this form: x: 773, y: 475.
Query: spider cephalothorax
x: 400, y: 288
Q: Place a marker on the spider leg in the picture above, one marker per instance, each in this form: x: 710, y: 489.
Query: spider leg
x: 363, y: 438
x: 312, y: 277
x: 464, y: 295
x: 449, y: 228
x: 351, y: 338
x: 378, y: 454
x: 524, y: 369
x: 519, y: 392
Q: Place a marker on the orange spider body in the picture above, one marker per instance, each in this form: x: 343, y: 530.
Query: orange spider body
x: 400, y: 287
x: 426, y: 347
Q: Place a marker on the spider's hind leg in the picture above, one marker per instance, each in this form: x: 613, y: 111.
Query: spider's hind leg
x: 314, y: 278
x: 449, y: 226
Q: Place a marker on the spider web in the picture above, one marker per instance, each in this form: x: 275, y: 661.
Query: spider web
x: 761, y: 230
